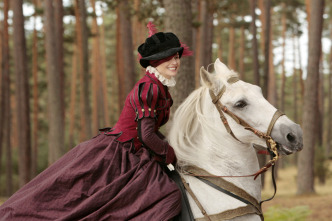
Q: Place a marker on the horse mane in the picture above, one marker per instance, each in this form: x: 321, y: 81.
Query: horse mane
x: 190, y: 123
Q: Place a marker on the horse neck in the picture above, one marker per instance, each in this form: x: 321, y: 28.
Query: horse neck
x: 231, y: 159
x: 209, y: 146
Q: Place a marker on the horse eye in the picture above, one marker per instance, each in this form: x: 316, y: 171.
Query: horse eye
x: 240, y: 104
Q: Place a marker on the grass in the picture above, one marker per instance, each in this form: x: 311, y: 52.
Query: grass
x: 292, y: 207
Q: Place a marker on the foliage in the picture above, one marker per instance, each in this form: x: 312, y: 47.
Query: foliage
x: 277, y: 213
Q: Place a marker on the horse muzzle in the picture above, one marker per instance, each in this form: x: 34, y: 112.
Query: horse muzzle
x: 289, y: 138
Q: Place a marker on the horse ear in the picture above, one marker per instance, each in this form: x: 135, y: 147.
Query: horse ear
x: 221, y: 67
x: 206, y: 78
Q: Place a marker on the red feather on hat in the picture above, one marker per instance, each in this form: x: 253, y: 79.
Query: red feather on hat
x: 186, y: 50
x: 152, y: 28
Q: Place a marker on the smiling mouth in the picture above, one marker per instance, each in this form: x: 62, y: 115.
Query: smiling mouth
x: 172, y: 68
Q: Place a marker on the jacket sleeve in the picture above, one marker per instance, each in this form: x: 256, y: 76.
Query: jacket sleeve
x: 151, y: 140
x: 145, y: 100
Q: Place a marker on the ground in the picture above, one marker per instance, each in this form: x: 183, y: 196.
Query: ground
x: 319, y: 204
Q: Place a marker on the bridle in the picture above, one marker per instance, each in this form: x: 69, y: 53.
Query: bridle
x: 271, y: 144
x: 217, y: 182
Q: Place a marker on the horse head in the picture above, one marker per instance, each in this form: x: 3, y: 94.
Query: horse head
x: 246, y: 101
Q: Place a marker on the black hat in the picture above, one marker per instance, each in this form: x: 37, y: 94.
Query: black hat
x: 159, y: 46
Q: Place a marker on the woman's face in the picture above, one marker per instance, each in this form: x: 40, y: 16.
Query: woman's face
x: 169, y: 68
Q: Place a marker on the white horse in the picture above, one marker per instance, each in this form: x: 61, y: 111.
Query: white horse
x: 200, y: 139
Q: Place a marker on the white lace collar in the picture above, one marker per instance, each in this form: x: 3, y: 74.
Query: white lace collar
x: 167, y: 82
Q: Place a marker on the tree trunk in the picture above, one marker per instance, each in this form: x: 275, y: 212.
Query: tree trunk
x: 231, y: 48
x: 262, y: 8
x: 82, y: 35
x: 220, y: 42
x: 58, y: 21
x: 305, y: 178
x: 295, y: 82
x: 5, y: 117
x: 308, y: 9
x: 198, y: 41
x: 178, y: 20
x: 106, y: 121
x: 2, y: 99
x: 73, y: 92
x: 241, y: 53
x: 320, y: 104
x: 301, y: 70
x: 204, y: 37
x: 329, y: 117
x: 56, y: 128
x: 1, y: 43
x: 119, y: 62
x: 97, y: 104
x: 283, y: 72
x: 22, y: 94
x: 209, y: 33
x: 271, y: 86
x: 34, y: 156
x: 254, y: 43
x: 267, y: 46
x: 125, y: 50
x: 139, y: 30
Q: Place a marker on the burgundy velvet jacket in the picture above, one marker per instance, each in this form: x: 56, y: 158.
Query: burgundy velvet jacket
x: 146, y: 109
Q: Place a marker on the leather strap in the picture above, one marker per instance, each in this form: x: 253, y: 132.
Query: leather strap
x: 185, y: 184
x: 232, y: 213
x: 232, y: 80
x: 202, y: 174
x: 222, y: 185
x: 275, y: 117
x: 186, y: 212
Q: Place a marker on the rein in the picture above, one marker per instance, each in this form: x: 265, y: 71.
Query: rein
x: 218, y: 183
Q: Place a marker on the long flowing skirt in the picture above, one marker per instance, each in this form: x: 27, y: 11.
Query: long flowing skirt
x: 100, y: 179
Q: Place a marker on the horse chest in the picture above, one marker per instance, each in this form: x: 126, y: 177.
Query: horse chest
x: 213, y: 201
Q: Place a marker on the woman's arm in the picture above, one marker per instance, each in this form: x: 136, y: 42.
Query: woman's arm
x: 151, y: 140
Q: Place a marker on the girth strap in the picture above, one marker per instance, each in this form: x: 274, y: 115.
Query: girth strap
x: 231, y: 214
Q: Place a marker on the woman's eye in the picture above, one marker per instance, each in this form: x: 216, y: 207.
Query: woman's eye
x: 240, y: 104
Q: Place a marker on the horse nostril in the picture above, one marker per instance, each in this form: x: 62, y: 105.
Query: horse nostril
x: 291, y: 137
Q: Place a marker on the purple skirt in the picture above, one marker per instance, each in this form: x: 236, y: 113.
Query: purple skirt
x: 100, y: 179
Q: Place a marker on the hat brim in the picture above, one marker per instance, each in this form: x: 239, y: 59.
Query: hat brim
x: 161, y: 55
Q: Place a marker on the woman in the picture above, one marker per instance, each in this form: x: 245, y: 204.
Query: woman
x: 120, y: 173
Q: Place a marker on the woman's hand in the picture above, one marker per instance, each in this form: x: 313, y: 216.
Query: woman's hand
x: 170, y: 167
